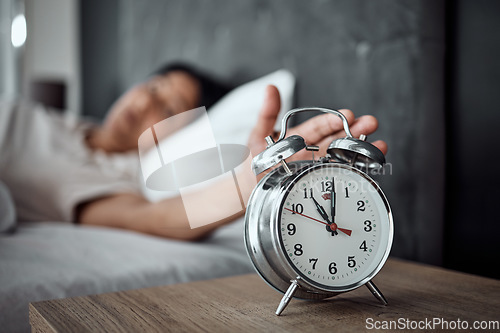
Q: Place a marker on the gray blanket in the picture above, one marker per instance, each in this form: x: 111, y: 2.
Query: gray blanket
x: 55, y: 260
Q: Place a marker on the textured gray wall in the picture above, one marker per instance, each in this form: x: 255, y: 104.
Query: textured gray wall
x: 380, y: 57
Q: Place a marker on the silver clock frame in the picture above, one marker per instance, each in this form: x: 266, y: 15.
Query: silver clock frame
x: 262, y: 237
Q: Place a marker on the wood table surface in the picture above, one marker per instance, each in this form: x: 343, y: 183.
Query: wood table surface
x: 245, y: 303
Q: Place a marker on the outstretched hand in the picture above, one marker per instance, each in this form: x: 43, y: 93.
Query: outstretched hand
x: 319, y: 131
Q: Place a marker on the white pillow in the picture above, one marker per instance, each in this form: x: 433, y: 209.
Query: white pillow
x: 234, y: 116
x: 232, y: 119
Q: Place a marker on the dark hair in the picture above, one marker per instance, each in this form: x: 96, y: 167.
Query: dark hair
x: 211, y: 90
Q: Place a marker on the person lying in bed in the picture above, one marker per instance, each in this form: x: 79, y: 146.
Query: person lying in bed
x: 73, y: 171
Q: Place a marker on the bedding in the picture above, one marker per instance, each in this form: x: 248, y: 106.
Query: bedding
x: 56, y: 260
x: 47, y: 260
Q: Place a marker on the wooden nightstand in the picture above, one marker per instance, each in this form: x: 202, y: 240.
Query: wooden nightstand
x: 245, y: 303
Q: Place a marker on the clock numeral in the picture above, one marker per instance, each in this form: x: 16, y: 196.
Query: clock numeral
x: 298, y: 250
x: 361, y: 206
x: 363, y: 246
x: 351, y: 262
x: 346, y: 192
x: 291, y: 229
x: 297, y: 208
x: 368, y: 226
x: 332, y: 268
x: 326, y: 186
x: 306, y: 193
x: 314, y: 261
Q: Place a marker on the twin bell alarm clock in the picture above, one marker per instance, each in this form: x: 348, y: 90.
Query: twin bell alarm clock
x: 318, y: 228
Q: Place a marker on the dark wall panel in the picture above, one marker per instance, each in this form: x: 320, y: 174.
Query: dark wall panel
x: 99, y: 47
x: 473, y: 117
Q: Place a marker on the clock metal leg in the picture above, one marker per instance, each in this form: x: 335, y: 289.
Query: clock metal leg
x: 287, y: 297
x: 376, y: 292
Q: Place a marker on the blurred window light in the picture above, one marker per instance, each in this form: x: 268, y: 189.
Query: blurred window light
x: 18, y: 32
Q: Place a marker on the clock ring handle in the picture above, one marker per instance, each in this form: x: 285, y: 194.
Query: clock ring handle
x: 286, y: 117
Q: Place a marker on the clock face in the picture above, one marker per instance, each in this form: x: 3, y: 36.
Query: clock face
x: 335, y: 227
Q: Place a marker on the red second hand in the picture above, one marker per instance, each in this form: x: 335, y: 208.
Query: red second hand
x: 312, y: 218
x: 345, y: 231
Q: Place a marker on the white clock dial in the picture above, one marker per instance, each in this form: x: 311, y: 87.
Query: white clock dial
x: 335, y: 237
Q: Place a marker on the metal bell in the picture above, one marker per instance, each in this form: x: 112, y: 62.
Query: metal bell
x: 357, y: 152
x: 277, y: 152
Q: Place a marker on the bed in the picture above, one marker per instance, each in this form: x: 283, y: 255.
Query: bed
x: 52, y: 259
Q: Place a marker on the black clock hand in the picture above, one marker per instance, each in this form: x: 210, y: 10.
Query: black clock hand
x: 321, y: 210
x: 333, y: 200
x: 331, y: 226
x: 348, y: 232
